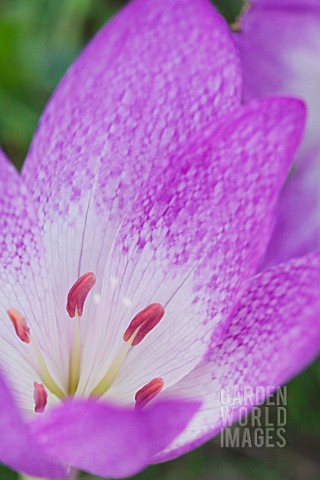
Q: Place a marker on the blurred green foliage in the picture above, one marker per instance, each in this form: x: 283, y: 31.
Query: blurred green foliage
x: 38, y: 41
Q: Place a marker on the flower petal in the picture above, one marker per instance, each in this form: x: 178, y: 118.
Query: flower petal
x: 23, y: 285
x: 18, y: 448
x: 107, y: 440
x: 192, y: 244
x: 277, y: 60
x: 139, y: 89
x: 274, y: 334
x: 297, y: 227
x: 280, y: 4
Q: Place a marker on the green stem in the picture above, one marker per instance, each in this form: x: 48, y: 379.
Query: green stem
x: 73, y: 476
x: 26, y: 477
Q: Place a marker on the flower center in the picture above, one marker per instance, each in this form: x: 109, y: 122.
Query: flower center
x: 138, y: 328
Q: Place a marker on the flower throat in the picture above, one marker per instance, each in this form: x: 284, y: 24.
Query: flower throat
x: 138, y: 328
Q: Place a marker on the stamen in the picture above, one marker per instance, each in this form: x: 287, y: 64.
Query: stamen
x: 138, y: 328
x: 74, y: 372
x: 44, y: 372
x: 148, y: 392
x: 143, y: 323
x: 108, y: 379
x: 20, y: 325
x: 78, y: 294
x: 40, y: 397
x: 23, y: 332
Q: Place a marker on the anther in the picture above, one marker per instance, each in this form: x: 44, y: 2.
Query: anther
x: 78, y: 294
x: 148, y: 392
x: 143, y: 323
x: 40, y: 397
x: 20, y: 325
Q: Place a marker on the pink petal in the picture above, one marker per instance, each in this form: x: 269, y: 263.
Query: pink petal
x: 18, y: 448
x: 297, y: 228
x: 193, y: 242
x: 274, y: 334
x: 108, y: 441
x: 138, y: 90
x: 280, y: 4
x: 278, y: 60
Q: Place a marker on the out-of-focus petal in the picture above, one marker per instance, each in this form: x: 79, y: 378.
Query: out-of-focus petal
x: 297, y: 228
x: 138, y: 90
x: 193, y: 241
x: 107, y: 440
x: 279, y: 49
x: 289, y: 4
x: 274, y: 334
x: 18, y: 448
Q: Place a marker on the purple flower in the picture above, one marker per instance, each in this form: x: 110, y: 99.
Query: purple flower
x: 145, y: 204
x: 280, y: 47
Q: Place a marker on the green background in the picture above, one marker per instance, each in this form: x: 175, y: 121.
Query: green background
x: 38, y: 41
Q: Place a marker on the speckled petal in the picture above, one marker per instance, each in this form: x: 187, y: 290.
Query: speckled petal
x: 192, y: 244
x: 280, y: 48
x: 23, y: 284
x: 107, y: 440
x: 274, y: 334
x: 18, y: 448
x: 138, y: 90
